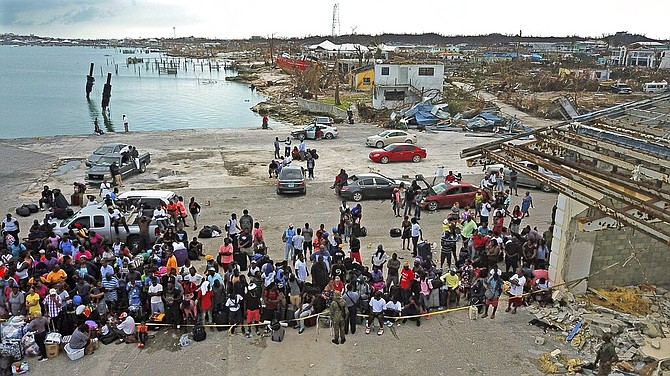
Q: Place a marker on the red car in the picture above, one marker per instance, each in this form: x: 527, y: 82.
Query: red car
x: 398, y: 153
x: 444, y: 195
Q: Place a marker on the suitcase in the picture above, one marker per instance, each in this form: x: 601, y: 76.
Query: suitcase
x: 434, y: 298
x: 241, y: 259
x: 220, y: 318
x: 278, y: 335
x: 310, y: 321
x: 13, y: 348
x: 424, y: 250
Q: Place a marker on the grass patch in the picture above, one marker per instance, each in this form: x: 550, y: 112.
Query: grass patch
x: 347, y: 99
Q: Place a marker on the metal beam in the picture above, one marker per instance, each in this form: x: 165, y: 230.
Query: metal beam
x: 573, y: 144
x: 632, y: 129
x: 582, y: 195
x: 622, y: 191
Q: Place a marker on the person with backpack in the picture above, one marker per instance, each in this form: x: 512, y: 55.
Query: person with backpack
x: 339, y: 314
x: 352, y: 298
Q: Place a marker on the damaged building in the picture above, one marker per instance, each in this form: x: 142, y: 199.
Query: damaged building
x: 611, y: 223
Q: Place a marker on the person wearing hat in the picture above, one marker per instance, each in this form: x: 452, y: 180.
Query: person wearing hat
x: 287, y: 238
x: 125, y: 329
x: 338, y: 316
x: 252, y: 303
x: 53, y: 305
x: 606, y: 355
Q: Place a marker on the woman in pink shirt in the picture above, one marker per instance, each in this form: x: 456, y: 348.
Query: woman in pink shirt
x: 225, y: 254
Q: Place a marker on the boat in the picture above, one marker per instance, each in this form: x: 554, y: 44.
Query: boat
x: 289, y: 65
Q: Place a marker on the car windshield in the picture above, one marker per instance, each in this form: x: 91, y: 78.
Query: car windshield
x: 106, y: 161
x: 440, y: 188
x: 290, y: 174
x: 104, y: 149
x: 66, y: 222
x: 390, y: 147
x: 384, y: 134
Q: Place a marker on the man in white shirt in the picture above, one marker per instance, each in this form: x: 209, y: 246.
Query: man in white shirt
x: 192, y: 276
x: 161, y: 218
x: 118, y: 218
x: 517, y: 282
x: 298, y: 241
x: 155, y: 292
x: 416, y: 233
x: 126, y: 329
x: 301, y: 269
x: 105, y: 188
x: 377, y: 306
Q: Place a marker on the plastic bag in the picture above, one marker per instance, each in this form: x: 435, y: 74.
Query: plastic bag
x: 184, y: 340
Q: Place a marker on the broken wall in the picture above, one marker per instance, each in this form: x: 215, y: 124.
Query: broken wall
x: 612, y: 245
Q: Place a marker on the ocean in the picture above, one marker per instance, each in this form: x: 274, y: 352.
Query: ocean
x: 42, y: 93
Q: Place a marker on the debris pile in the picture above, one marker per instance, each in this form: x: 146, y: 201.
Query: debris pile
x: 636, y: 316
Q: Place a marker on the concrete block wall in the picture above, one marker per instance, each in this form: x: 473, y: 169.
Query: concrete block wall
x: 322, y: 108
x: 614, y: 245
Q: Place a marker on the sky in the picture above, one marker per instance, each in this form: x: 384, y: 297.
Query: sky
x: 228, y: 19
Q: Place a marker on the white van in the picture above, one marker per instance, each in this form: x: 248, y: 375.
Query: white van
x: 655, y: 87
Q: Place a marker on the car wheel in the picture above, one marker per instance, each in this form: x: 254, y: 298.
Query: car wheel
x: 379, y: 144
x: 329, y: 136
x: 357, y: 196
x: 279, y: 193
x: 432, y: 205
x: 408, y: 141
x: 546, y: 188
x: 301, y: 136
x: 384, y: 160
x: 416, y: 159
x: 304, y: 192
x: 143, y: 168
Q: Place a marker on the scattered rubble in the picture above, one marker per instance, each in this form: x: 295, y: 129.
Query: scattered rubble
x: 636, y: 318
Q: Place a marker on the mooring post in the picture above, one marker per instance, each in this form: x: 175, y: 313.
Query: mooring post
x: 89, y: 82
x: 107, y: 92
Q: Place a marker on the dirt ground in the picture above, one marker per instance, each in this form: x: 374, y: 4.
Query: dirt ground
x: 226, y: 171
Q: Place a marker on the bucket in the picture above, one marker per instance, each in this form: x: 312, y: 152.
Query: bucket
x: 52, y: 350
x: 473, y: 312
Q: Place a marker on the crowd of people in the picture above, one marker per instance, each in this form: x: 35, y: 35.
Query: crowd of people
x: 86, y: 286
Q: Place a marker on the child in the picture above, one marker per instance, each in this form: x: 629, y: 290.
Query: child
x: 142, y: 334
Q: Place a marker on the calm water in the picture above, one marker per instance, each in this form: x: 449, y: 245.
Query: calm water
x: 42, y: 93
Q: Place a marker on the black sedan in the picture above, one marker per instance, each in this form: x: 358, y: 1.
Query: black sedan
x: 369, y: 186
x: 291, y: 179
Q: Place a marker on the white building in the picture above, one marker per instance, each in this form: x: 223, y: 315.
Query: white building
x: 399, y: 85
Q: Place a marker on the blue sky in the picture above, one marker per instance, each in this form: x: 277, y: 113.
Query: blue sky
x: 297, y: 18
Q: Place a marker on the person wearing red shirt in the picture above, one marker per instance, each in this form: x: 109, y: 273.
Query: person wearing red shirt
x: 205, y: 302
x: 406, y: 279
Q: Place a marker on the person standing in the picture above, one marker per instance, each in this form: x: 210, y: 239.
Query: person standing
x: 606, y: 355
x: 518, y: 281
x: 233, y: 229
x: 526, y: 204
x: 276, y: 144
x: 393, y: 266
x: 287, y: 147
x: 11, y: 226
x: 194, y: 209
x: 416, y: 234
x: 39, y: 325
x: 338, y: 315
x: 492, y: 294
x: 125, y: 123
x: 308, y: 234
x: 513, y: 176
x: 116, y: 175
x: 288, y: 240
x: 352, y: 298
x: 105, y: 188
x: 310, y: 166
x: 265, y: 121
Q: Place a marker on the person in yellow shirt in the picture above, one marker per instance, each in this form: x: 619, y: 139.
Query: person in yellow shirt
x: 33, y: 303
x: 171, y: 262
x: 451, y: 280
x: 55, y: 276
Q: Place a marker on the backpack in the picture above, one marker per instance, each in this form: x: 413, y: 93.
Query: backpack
x: 205, y: 232
x: 364, y: 231
x: 199, y: 333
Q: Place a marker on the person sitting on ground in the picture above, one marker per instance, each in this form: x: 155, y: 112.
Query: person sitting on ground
x: 125, y: 330
x: 142, y: 334
x: 411, y: 309
x: 541, y: 291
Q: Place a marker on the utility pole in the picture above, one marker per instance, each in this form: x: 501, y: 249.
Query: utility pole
x: 272, y: 51
x: 174, y: 32
x: 336, y: 20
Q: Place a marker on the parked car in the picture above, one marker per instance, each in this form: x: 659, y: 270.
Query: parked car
x: 291, y: 179
x: 524, y: 180
x: 100, y: 170
x: 398, y: 153
x: 621, y: 89
x: 369, y: 186
x: 102, y: 150
x: 97, y: 219
x: 390, y: 137
x: 309, y: 132
x: 323, y: 120
x: 444, y: 195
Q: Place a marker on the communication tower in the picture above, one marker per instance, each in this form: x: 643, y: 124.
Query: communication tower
x: 336, y: 20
